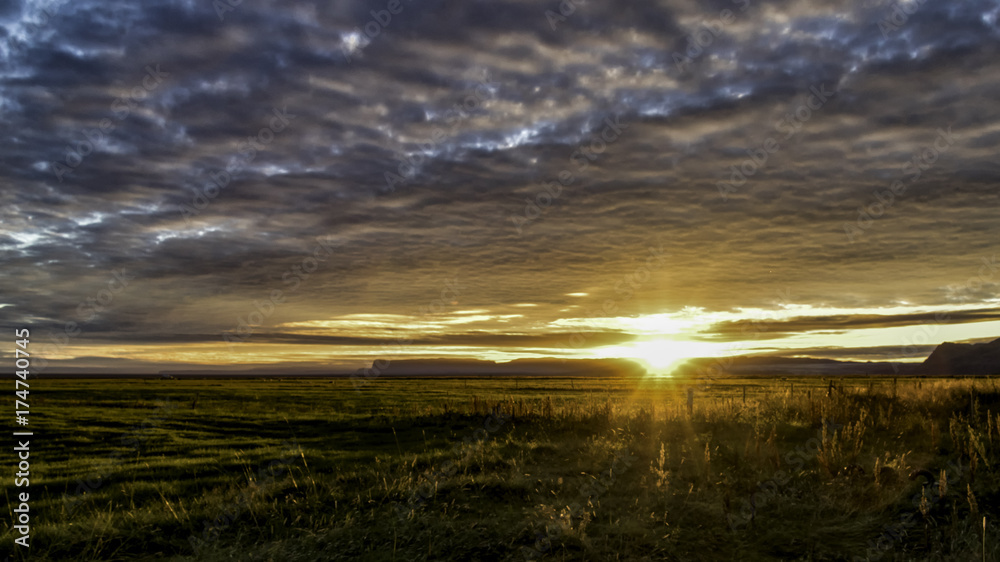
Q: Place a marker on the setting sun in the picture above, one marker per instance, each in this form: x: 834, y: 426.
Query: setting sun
x: 660, y: 356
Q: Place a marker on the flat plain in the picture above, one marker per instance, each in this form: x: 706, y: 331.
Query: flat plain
x: 762, y: 468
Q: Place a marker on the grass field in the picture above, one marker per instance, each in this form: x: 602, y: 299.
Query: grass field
x: 503, y: 469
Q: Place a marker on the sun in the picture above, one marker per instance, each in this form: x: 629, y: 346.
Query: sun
x: 660, y: 356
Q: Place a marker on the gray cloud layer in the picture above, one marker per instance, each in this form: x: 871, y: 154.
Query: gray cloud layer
x: 357, y: 107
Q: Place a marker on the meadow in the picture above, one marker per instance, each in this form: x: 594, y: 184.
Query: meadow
x: 793, y: 468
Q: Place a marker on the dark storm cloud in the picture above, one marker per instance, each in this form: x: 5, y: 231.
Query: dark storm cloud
x: 530, y: 96
x: 480, y: 339
x: 732, y: 331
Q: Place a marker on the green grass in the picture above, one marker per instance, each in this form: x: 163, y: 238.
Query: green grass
x: 569, y: 469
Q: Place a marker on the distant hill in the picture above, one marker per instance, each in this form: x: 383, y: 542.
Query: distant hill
x: 947, y: 359
x: 522, y: 367
x: 445, y: 367
x: 964, y: 359
x: 778, y: 365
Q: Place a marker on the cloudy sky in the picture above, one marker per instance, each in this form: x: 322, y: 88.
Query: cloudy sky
x: 324, y: 183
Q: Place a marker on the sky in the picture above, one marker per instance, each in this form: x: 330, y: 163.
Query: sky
x: 321, y: 184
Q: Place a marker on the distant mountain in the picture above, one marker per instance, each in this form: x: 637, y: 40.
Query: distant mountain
x: 595, y: 367
x: 778, y: 365
x: 946, y: 359
x: 446, y: 367
x: 964, y: 359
